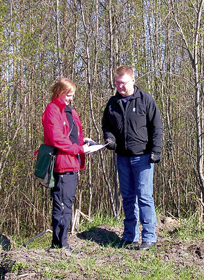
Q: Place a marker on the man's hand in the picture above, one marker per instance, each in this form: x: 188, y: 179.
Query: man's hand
x: 111, y: 144
x: 155, y: 157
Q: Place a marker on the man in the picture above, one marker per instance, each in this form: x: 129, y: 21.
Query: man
x: 132, y: 126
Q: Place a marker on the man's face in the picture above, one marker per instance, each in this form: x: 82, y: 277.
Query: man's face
x: 67, y: 97
x: 125, y: 84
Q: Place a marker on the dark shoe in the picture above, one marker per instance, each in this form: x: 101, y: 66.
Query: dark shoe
x: 128, y: 245
x: 147, y: 245
x: 68, y: 249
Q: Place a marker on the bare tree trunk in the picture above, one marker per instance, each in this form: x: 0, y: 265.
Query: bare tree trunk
x: 58, y: 38
x: 89, y: 82
x: 198, y: 100
x: 193, y: 55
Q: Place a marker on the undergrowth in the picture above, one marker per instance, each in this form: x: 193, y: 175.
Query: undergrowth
x: 109, y: 262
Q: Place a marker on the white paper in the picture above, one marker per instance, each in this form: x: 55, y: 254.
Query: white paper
x: 95, y: 148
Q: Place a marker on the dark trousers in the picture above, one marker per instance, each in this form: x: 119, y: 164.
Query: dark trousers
x: 63, y: 195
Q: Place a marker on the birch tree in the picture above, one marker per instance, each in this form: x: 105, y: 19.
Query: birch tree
x: 193, y: 42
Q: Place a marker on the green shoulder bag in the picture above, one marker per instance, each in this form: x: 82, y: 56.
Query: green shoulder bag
x: 44, y: 168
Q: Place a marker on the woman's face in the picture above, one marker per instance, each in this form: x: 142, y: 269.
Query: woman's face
x: 67, y: 97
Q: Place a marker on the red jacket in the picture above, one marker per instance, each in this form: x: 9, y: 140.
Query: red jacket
x: 56, y: 130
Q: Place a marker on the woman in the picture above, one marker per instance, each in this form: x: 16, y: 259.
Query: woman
x: 65, y: 133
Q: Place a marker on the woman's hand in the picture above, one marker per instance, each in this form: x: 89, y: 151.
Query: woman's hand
x: 86, y: 139
x: 86, y: 148
x: 89, y: 141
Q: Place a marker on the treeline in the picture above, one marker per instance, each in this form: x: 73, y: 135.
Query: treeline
x: 86, y: 40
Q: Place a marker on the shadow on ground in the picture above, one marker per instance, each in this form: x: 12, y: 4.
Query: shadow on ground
x: 5, y: 242
x: 5, y: 245
x: 101, y: 236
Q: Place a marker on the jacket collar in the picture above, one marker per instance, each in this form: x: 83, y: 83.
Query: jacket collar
x: 59, y: 103
x: 135, y: 94
x: 68, y: 108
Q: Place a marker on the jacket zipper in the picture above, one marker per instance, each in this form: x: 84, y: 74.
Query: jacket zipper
x: 124, y: 110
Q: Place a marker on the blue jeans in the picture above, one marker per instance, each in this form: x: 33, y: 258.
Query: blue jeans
x: 136, y: 186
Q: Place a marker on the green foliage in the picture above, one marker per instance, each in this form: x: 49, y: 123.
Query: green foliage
x: 18, y: 266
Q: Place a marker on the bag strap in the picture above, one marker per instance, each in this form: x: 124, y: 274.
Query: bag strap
x: 70, y: 130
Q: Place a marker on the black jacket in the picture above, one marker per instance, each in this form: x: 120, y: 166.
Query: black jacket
x: 137, y: 128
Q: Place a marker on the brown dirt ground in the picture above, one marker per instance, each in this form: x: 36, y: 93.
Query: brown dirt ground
x: 183, y: 253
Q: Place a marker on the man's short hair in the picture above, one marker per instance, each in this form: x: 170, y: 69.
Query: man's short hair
x: 122, y: 70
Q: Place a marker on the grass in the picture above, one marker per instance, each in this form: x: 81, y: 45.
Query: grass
x: 147, y: 268
x: 43, y: 242
x: 189, y: 229
x: 100, y: 220
x: 109, y: 262
x: 18, y: 266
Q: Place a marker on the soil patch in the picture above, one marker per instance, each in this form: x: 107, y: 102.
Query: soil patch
x: 31, y: 264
